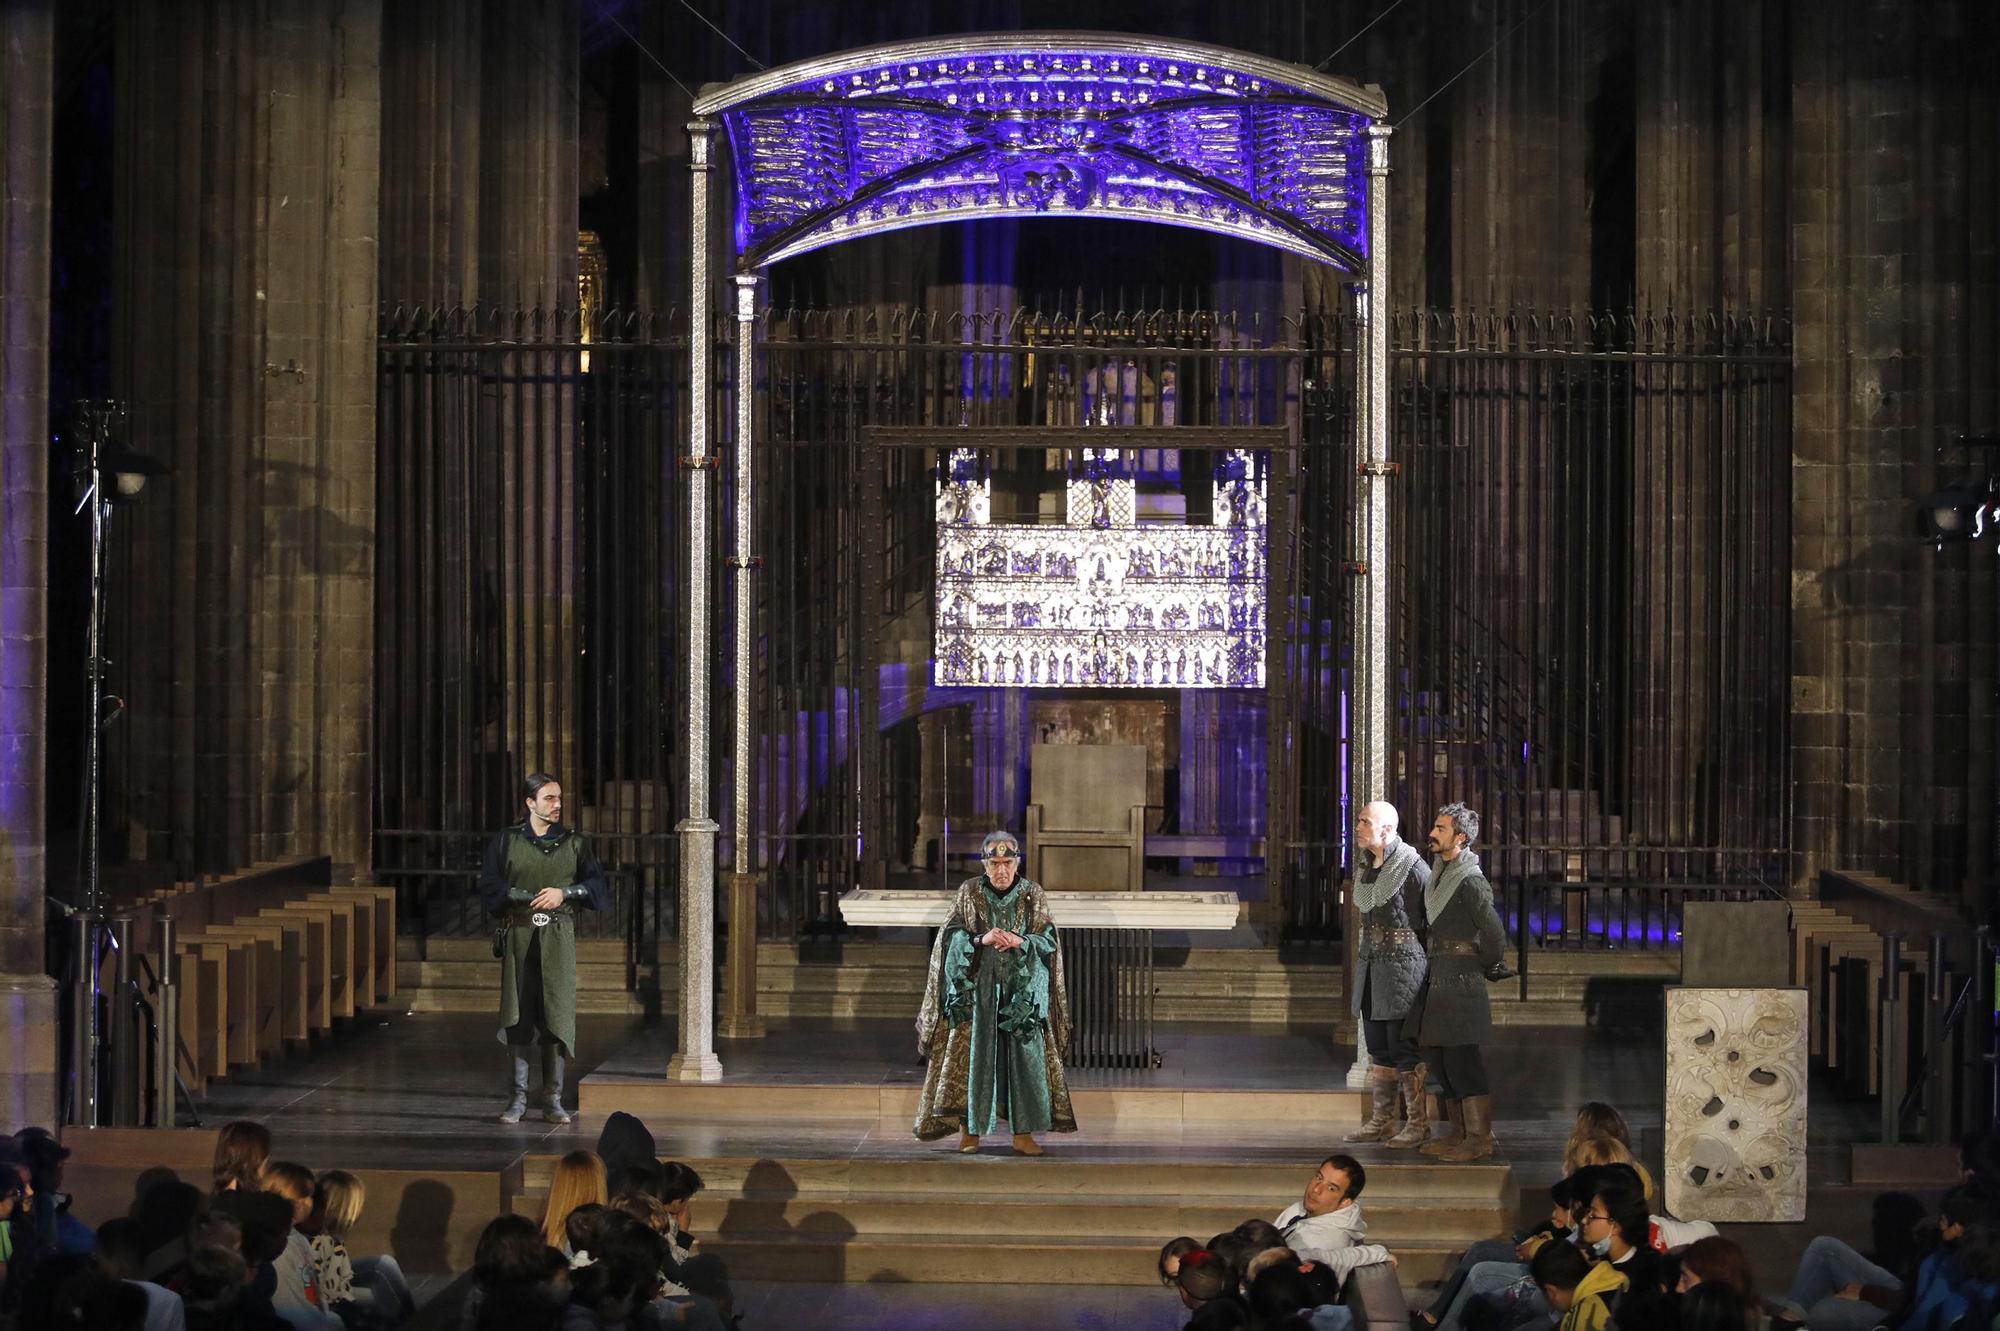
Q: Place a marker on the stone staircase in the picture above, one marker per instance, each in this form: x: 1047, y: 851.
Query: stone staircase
x: 870, y: 979
x: 1056, y: 1221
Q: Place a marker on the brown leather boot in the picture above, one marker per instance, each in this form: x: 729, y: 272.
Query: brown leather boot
x: 1024, y: 1144
x: 1478, y: 1143
x: 1381, y: 1124
x: 967, y: 1143
x: 1453, y: 1129
x: 1417, y: 1129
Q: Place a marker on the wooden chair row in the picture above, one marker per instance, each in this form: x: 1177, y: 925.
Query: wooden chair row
x: 258, y: 970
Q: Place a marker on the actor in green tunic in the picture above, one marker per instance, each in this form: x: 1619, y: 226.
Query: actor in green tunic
x: 995, y: 1017
x: 537, y: 874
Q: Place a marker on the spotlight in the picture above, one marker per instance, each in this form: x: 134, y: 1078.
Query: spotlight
x: 1965, y: 510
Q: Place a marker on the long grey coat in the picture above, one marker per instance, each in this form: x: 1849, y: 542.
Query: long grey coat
x: 1391, y: 975
x: 1453, y: 1007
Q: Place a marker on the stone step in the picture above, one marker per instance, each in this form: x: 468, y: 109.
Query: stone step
x: 1062, y: 1221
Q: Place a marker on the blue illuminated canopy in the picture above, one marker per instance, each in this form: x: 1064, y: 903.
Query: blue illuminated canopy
x: 1057, y: 124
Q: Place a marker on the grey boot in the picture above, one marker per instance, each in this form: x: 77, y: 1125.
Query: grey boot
x: 552, y: 1082
x: 517, y: 1057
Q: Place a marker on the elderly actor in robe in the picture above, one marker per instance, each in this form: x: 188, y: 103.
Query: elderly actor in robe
x: 1453, y: 1017
x: 537, y: 874
x: 995, y: 1018
x: 1389, y: 959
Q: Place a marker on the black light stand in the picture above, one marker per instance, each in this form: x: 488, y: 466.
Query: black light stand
x: 107, y: 474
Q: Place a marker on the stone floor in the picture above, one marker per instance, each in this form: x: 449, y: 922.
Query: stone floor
x: 419, y: 1091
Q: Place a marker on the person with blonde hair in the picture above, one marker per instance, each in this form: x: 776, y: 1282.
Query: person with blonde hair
x: 578, y: 1181
x: 367, y: 1289
x: 1602, y: 1149
x: 241, y: 1150
x: 298, y: 1297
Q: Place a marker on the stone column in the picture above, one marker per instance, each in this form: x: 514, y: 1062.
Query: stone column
x: 247, y: 158
x: 1892, y: 198
x: 431, y: 75
x: 29, y: 1063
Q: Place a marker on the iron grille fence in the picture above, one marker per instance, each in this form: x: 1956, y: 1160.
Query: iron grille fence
x: 528, y: 597
x: 1589, y: 598
x: 1592, y: 580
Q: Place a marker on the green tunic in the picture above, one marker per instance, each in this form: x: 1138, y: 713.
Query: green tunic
x: 993, y: 1023
x: 538, y: 962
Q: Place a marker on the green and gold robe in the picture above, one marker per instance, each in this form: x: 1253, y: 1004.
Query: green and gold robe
x: 993, y: 1024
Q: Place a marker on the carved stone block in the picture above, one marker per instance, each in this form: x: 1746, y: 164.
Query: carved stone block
x: 1736, y: 1104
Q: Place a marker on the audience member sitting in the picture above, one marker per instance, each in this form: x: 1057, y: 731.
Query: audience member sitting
x: 298, y: 1298
x: 241, y: 1150
x: 626, y: 1143
x: 67, y: 1289
x: 1957, y: 1276
x: 368, y: 1291
x: 264, y: 1226
x: 215, y: 1292
x: 62, y: 1231
x: 1281, y: 1295
x: 1713, y: 1306
x: 1573, y: 1287
x: 13, y: 1217
x: 1326, y: 1225
x: 578, y: 1181
x: 513, y: 1265
x: 1594, y: 1119
x: 1716, y: 1260
x: 121, y: 1254
x: 1171, y: 1253
x: 678, y: 1185
x: 1203, y: 1278
x: 706, y: 1277
x: 1514, y: 1252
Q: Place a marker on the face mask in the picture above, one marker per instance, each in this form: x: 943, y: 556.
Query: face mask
x: 1601, y: 1248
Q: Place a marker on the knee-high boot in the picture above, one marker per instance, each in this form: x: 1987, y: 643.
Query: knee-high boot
x: 1381, y: 1124
x: 1478, y: 1143
x: 1453, y: 1130
x: 552, y: 1082
x: 1417, y: 1127
x: 517, y: 1059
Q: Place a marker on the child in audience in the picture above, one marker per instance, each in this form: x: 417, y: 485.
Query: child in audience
x: 297, y: 1298
x: 578, y: 1181
x: 1576, y: 1289
x: 513, y: 1266
x: 241, y: 1150
x: 1171, y: 1253
x: 370, y: 1291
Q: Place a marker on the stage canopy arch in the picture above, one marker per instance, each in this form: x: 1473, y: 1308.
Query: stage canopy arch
x: 981, y: 126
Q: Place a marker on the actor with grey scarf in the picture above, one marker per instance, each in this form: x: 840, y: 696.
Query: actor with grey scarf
x: 1452, y: 1017
x: 1389, y: 969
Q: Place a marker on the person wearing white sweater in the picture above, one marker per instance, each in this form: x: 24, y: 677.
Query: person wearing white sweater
x: 1326, y: 1226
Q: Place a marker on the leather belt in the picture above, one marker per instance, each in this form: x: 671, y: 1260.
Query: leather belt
x: 523, y: 919
x: 1391, y: 937
x: 1454, y: 947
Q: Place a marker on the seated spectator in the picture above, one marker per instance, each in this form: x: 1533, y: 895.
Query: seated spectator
x: 1594, y: 1119
x: 215, y: 1293
x: 512, y: 1265
x: 1721, y: 1261
x: 364, y: 1290
x: 1266, y: 1258
x: 678, y: 1185
x: 264, y: 1228
x: 67, y: 1289
x: 1325, y: 1225
x: 1574, y: 1288
x: 165, y: 1216
x: 1171, y: 1253
x: 626, y: 1143
x: 1203, y: 1278
x: 297, y: 1298
x: 45, y: 1156
x: 13, y: 1203
x: 578, y: 1181
x: 1282, y: 1296
x: 121, y: 1254
x: 1511, y: 1254
x: 241, y: 1150
x: 1956, y: 1277
x: 1713, y: 1306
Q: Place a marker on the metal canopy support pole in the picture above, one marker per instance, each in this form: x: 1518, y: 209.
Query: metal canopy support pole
x: 1369, y: 768
x: 695, y: 1059
x: 1372, y: 649
x: 739, y: 1019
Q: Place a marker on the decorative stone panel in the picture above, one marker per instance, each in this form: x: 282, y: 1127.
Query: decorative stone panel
x: 1736, y: 1104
